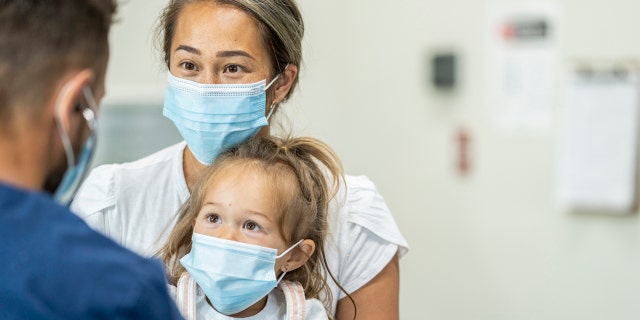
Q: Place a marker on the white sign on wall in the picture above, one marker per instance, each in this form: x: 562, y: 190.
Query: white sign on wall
x: 522, y: 59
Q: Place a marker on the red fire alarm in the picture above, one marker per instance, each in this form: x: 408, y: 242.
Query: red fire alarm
x: 462, y: 141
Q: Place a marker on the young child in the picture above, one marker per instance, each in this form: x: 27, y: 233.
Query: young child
x: 255, y: 221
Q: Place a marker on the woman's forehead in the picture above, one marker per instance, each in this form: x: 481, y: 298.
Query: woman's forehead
x: 210, y: 27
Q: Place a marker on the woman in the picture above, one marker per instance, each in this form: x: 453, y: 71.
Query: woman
x: 212, y: 50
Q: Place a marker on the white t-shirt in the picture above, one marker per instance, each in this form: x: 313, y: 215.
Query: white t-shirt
x: 136, y: 205
x: 276, y: 308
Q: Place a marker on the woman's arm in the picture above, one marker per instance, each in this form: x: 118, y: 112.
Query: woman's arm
x: 378, y: 299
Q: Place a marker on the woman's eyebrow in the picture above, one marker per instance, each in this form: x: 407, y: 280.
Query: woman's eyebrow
x: 233, y: 53
x: 188, y: 49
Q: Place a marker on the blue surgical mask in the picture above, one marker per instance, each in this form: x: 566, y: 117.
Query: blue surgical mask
x: 76, y: 171
x: 233, y: 275
x: 214, y: 117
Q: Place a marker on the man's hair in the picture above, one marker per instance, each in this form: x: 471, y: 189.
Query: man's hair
x: 41, y: 40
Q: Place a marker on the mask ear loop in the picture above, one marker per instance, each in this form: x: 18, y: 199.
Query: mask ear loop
x: 64, y: 137
x: 272, y: 81
x: 290, y: 248
x: 282, y: 255
x: 274, y: 105
x: 89, y: 115
x: 286, y: 269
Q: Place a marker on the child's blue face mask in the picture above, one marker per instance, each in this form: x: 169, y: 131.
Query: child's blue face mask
x: 233, y: 275
x: 214, y: 117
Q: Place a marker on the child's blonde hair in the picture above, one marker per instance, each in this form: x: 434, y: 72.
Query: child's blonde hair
x: 303, y: 207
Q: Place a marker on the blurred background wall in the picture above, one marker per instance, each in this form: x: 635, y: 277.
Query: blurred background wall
x: 490, y: 242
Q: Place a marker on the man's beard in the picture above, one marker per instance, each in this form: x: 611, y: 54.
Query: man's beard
x: 54, y: 179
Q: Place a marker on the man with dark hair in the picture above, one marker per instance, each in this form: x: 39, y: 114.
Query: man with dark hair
x: 53, y: 59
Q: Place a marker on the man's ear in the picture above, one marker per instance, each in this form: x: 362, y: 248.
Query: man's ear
x: 299, y: 255
x: 284, y: 82
x: 70, y: 95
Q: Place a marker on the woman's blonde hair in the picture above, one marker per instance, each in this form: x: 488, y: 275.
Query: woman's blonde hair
x: 304, y: 175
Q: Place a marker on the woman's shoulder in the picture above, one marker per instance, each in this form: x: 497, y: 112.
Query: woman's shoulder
x: 315, y: 310
x: 364, y: 207
x: 359, y: 185
x: 362, y: 196
x: 108, y: 183
x: 166, y: 155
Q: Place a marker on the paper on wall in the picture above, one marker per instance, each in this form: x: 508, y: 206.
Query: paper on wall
x: 599, y: 141
x: 522, y: 54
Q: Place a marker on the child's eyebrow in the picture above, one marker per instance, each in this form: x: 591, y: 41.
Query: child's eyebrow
x: 260, y: 214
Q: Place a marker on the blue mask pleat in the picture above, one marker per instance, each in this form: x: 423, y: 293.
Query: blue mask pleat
x: 214, y: 117
x: 233, y: 275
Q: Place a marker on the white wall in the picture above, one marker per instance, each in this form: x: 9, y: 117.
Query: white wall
x: 490, y: 245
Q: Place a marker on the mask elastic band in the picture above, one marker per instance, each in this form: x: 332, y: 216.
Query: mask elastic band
x: 66, y: 143
x: 272, y: 81
x: 282, y: 275
x: 285, y: 252
x: 278, y: 76
x: 290, y: 248
x: 274, y: 105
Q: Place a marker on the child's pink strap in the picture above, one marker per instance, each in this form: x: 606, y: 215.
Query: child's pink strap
x: 293, y: 295
x: 295, y: 300
x: 186, y: 296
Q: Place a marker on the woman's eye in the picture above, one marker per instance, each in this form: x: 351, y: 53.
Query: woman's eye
x: 250, y: 225
x: 233, y: 68
x: 188, y: 66
x: 213, y: 218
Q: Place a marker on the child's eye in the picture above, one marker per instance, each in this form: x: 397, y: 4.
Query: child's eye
x: 250, y: 225
x: 213, y: 218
